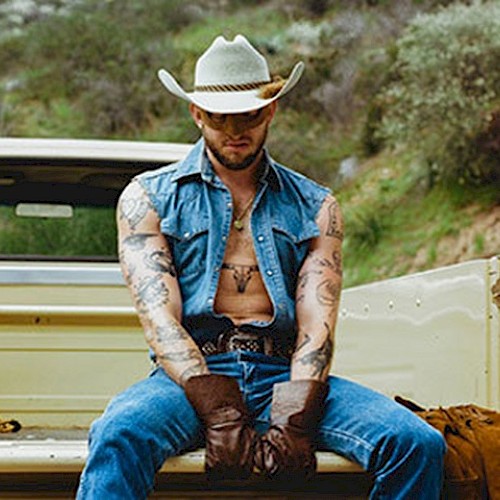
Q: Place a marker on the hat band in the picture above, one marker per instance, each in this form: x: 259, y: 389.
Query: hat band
x: 230, y: 87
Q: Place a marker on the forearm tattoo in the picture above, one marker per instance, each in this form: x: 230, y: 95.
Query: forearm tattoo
x: 172, y: 332
x: 187, y: 356
x: 170, y: 342
x: 306, y: 340
x: 149, y: 334
x: 319, y: 359
x: 328, y: 293
x: 241, y: 274
x: 151, y: 292
x: 128, y: 270
x: 180, y: 356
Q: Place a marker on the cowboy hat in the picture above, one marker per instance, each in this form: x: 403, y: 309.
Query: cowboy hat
x: 232, y: 77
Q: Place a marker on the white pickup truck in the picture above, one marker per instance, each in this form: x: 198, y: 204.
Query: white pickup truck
x: 70, y: 338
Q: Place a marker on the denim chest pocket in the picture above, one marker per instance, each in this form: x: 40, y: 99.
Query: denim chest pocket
x: 188, y: 240
x: 292, y: 242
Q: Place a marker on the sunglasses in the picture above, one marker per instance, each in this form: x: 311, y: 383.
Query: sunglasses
x: 236, y: 123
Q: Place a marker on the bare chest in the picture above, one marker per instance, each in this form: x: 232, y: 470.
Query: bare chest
x: 241, y: 293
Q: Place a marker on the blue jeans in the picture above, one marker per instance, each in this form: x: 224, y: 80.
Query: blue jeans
x: 152, y: 420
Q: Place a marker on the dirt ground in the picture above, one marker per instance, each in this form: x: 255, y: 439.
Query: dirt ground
x: 481, y: 239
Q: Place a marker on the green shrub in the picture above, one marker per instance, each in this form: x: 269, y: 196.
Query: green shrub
x: 91, y: 232
x: 103, y: 57
x: 445, y: 89
x: 366, y: 227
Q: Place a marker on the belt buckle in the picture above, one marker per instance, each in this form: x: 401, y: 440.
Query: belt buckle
x: 246, y: 342
x: 236, y: 339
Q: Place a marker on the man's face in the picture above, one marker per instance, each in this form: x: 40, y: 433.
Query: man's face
x: 235, y: 140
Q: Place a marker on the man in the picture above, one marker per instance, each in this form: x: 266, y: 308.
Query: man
x: 234, y: 264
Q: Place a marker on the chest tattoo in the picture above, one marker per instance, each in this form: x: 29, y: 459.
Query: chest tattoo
x: 241, y: 274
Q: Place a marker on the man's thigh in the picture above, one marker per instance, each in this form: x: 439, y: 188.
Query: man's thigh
x: 357, y: 420
x: 155, y: 408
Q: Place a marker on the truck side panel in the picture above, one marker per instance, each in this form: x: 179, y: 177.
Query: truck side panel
x: 67, y: 346
x: 431, y: 336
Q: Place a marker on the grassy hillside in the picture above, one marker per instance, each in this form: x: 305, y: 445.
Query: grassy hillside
x: 396, y: 225
x: 87, y: 69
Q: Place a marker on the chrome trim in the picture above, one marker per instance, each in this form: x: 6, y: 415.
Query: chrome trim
x: 71, y: 310
x: 93, y: 149
x: 53, y: 275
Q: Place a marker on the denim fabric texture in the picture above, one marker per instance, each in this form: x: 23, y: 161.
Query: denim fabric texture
x: 153, y: 420
x: 195, y: 209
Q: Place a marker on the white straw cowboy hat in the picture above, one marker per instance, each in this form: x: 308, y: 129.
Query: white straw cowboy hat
x: 232, y: 77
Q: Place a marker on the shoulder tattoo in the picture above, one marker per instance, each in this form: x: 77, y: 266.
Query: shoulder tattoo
x: 333, y: 229
x: 133, y: 210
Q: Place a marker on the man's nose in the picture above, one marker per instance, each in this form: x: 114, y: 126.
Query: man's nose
x: 234, y: 127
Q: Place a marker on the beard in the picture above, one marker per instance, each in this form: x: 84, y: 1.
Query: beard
x: 244, y: 163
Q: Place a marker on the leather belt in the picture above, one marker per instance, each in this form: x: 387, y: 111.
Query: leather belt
x: 236, y: 339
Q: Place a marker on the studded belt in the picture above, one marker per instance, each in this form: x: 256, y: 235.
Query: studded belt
x: 236, y: 339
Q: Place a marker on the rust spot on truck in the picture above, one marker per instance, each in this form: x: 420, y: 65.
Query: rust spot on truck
x: 495, y: 291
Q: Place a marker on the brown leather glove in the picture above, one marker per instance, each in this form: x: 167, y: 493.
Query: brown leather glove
x: 286, y: 449
x: 230, y: 441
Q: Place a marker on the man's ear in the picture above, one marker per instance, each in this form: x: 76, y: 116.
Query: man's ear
x: 272, y: 107
x: 195, y: 113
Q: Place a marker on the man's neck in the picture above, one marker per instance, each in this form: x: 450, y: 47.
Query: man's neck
x: 238, y: 180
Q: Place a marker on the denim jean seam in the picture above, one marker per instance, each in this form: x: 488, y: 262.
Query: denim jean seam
x: 244, y: 376
x: 368, y: 447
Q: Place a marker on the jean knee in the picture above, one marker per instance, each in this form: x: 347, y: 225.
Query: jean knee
x: 432, y: 442
x: 113, y: 431
x: 410, y: 441
x: 425, y: 444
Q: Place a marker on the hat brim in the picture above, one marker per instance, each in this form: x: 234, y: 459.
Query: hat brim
x: 229, y: 102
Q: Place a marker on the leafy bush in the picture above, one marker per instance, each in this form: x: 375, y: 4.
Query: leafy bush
x: 102, y: 56
x: 366, y: 227
x: 445, y: 91
x: 90, y: 232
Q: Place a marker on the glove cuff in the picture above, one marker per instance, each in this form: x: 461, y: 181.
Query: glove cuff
x: 299, y: 403
x: 210, y: 392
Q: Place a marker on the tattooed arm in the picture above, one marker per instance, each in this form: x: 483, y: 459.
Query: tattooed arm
x: 317, y: 297
x: 149, y: 272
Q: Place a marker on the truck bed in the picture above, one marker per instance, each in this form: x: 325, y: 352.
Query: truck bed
x: 70, y: 339
x: 42, y: 463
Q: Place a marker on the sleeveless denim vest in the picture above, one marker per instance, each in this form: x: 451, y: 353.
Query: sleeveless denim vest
x: 195, y: 209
